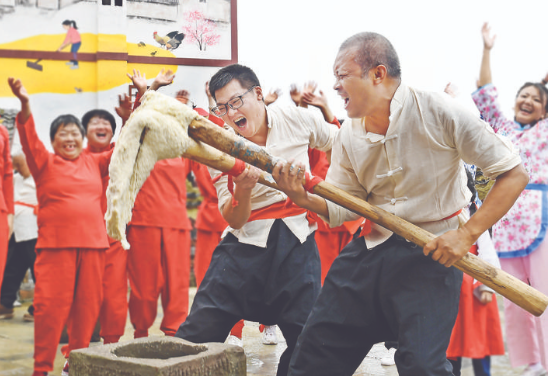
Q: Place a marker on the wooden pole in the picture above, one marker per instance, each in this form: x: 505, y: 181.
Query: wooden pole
x: 505, y: 284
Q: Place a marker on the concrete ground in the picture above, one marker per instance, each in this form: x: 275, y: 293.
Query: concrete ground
x: 16, y: 351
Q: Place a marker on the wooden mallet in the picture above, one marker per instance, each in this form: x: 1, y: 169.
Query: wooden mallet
x: 505, y: 284
x: 226, y: 146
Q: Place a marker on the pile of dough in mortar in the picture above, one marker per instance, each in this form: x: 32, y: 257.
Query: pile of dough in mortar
x: 166, y: 120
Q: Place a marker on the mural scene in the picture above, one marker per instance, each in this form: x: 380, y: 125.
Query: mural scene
x: 79, y: 52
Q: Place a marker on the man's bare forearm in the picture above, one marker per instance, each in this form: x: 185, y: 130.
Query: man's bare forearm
x: 499, y: 200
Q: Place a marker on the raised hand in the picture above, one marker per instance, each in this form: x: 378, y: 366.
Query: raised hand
x: 272, y: 96
x: 124, y: 109
x: 139, y: 81
x: 207, y: 89
x: 451, y: 90
x: 487, y: 38
x: 295, y: 94
x: 182, y: 96
x: 162, y: 79
x: 20, y: 92
x: 18, y: 89
x: 313, y: 99
x: 211, y: 101
x: 309, y: 87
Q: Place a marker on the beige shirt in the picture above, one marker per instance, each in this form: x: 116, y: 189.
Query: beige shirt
x: 416, y: 171
x: 291, y: 131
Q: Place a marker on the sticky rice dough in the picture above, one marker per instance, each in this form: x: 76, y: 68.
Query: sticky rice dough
x: 166, y: 121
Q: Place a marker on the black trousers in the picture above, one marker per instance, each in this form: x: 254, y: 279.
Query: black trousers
x: 276, y: 285
x: 21, y: 257
x: 388, y: 293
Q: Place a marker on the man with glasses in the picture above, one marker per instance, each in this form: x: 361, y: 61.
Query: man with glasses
x: 266, y: 269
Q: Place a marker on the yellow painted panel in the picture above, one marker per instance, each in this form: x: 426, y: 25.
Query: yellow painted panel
x: 51, y: 42
x: 112, y: 43
x: 57, y: 77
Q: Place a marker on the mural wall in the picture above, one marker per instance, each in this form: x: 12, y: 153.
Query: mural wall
x: 74, y: 55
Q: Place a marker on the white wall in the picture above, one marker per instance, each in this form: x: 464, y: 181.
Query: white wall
x: 287, y: 41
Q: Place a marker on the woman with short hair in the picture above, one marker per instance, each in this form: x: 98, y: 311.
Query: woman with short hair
x: 70, y: 251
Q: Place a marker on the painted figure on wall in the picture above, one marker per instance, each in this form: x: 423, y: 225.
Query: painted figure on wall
x: 72, y: 38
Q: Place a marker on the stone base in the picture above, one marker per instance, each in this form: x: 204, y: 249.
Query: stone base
x: 159, y: 356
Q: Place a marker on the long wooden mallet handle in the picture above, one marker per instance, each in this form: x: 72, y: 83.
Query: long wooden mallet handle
x: 211, y: 157
x: 505, y: 284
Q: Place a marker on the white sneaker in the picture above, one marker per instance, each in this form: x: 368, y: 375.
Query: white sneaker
x: 534, y: 370
x: 389, y: 359
x: 269, y: 335
x: 234, y: 340
x: 65, y: 371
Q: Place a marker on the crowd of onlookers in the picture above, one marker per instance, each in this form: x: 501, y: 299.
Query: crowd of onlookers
x: 52, y: 208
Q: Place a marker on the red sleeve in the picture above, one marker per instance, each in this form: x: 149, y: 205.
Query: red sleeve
x: 216, y: 120
x: 187, y: 164
x: 103, y: 160
x: 318, y: 162
x: 7, y: 181
x: 137, y: 102
x: 203, y: 180
x: 336, y: 122
x: 36, y: 153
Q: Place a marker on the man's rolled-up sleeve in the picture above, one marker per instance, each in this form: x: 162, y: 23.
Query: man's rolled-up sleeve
x: 477, y: 144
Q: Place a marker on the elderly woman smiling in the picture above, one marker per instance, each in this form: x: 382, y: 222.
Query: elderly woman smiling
x: 70, y: 251
x: 520, y: 237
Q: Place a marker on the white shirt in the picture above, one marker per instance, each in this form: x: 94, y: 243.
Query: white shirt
x: 291, y: 131
x: 25, y: 226
x: 416, y: 171
x: 15, y: 147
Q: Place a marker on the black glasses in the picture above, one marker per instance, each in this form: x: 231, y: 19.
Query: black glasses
x: 236, y: 102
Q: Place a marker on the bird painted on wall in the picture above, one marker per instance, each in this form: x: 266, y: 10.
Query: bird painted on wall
x: 171, y: 41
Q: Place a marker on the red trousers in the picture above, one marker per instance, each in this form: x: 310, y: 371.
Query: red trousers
x: 68, y: 290
x: 4, y: 240
x: 115, y: 294
x: 329, y: 246
x: 158, y: 264
x: 206, y: 241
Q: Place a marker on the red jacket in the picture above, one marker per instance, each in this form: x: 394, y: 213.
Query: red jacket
x: 6, y: 168
x: 69, y: 193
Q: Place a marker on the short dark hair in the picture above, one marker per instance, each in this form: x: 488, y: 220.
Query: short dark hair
x: 372, y: 50
x: 242, y: 74
x: 542, y: 90
x: 101, y: 114
x: 62, y: 121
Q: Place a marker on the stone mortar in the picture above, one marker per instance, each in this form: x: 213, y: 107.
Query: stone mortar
x: 159, y: 356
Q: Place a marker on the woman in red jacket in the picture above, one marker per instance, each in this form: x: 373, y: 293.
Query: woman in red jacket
x: 6, y: 204
x: 70, y: 251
